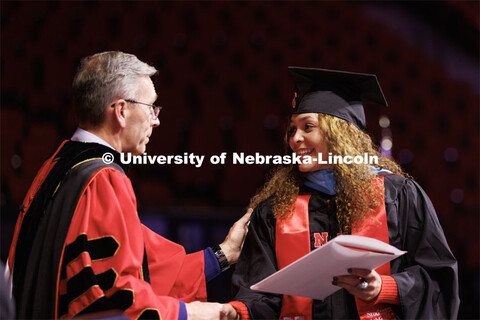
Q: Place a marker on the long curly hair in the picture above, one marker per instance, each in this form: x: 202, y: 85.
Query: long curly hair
x: 356, y: 195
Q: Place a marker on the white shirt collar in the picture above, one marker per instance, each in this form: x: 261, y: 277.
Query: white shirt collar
x: 85, y: 136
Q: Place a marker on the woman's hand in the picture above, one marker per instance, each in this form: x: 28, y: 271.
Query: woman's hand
x: 230, y: 312
x: 353, y: 283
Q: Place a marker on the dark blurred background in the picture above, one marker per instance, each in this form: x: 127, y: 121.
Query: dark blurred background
x: 224, y: 83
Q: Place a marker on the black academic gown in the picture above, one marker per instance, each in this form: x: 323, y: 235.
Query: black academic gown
x: 426, y: 275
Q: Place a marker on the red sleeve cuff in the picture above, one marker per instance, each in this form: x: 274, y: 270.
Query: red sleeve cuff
x: 388, y: 292
x: 241, y: 308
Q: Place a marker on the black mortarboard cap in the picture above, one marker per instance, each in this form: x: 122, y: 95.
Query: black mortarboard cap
x: 337, y: 93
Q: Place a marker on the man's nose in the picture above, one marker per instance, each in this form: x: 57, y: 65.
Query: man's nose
x: 155, y: 122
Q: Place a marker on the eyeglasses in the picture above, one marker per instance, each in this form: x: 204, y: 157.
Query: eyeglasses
x: 155, y: 109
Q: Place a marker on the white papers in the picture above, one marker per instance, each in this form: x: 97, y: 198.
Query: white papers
x: 311, y: 275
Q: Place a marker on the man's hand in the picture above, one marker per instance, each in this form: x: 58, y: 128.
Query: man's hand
x: 233, y: 243
x: 210, y: 311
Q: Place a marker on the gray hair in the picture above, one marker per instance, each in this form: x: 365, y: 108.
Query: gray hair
x: 102, y: 78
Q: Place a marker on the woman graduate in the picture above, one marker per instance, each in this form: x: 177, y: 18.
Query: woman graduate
x: 305, y: 205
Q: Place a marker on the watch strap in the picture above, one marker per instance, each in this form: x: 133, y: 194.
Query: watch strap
x: 221, y: 258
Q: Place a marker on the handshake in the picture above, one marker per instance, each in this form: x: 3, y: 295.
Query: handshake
x: 211, y: 310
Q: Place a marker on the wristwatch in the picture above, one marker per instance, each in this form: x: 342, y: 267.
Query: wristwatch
x: 221, y: 257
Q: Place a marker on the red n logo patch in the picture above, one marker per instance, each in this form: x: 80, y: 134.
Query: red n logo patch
x: 320, y: 239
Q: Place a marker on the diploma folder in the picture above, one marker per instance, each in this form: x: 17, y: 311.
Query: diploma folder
x: 311, y: 276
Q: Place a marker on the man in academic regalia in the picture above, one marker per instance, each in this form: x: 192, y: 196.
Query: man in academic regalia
x: 79, y: 246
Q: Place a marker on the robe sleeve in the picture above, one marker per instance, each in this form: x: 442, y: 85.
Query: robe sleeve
x: 172, y: 272
x: 212, y: 266
x: 256, y: 262
x: 426, y: 276
x: 102, y: 260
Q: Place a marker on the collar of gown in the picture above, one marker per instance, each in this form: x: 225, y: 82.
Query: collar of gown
x: 321, y: 180
x: 324, y: 180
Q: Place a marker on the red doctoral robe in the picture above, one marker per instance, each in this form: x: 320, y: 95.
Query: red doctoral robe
x: 100, y: 260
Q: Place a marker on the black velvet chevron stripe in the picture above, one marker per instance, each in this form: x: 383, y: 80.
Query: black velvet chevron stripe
x: 85, y: 279
x: 122, y: 299
x: 80, y: 283
x: 101, y: 304
x: 74, y: 249
x: 63, y: 271
x: 149, y: 314
x: 62, y: 305
x: 101, y: 248
x: 107, y: 279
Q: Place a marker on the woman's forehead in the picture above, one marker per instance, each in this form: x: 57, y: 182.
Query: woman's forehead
x: 303, y: 117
